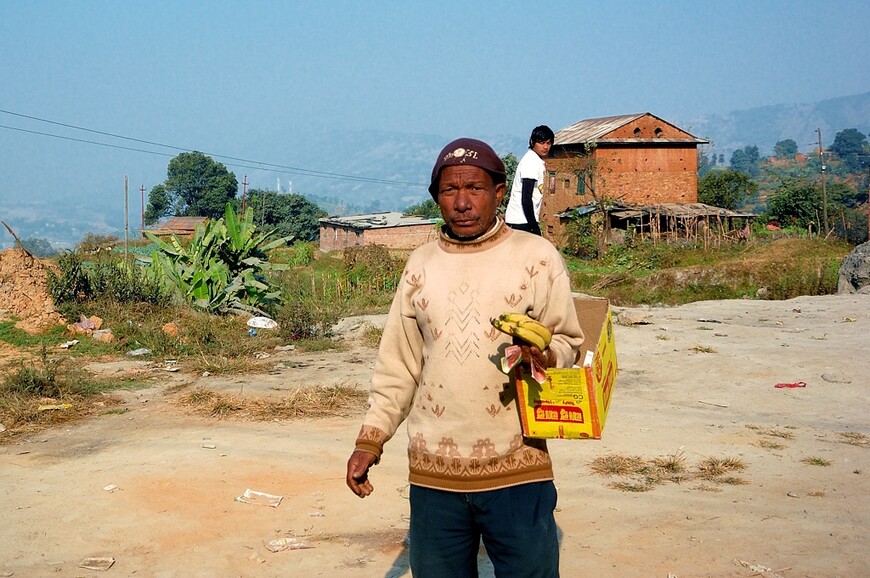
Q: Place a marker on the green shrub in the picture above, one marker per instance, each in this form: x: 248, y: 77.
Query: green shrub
x: 42, y: 380
x: 371, y: 263
x: 78, y: 283
x: 301, y: 254
x: 580, y: 238
x: 224, y: 267
x: 304, y: 318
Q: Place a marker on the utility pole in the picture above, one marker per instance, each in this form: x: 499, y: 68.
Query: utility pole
x: 244, y: 192
x: 142, y: 213
x: 126, y: 217
x: 824, y: 185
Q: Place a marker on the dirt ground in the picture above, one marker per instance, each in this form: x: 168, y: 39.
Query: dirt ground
x: 154, y: 487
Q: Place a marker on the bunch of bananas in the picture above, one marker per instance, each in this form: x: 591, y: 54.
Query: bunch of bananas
x: 519, y: 325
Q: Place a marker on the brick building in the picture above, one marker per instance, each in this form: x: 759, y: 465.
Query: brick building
x: 635, y: 159
x: 390, y: 229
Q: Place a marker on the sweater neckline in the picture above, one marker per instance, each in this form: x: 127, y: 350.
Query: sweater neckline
x: 498, y: 233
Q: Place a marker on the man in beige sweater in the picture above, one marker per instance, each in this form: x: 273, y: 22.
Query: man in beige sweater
x: 473, y: 475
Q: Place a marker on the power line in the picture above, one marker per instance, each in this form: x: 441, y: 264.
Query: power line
x: 279, y: 168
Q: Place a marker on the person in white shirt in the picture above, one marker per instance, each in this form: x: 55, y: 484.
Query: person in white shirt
x: 527, y: 191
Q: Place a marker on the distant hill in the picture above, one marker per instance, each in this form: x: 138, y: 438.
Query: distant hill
x: 393, y: 156
x: 408, y: 157
x: 765, y: 126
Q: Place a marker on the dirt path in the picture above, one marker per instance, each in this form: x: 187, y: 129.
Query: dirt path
x: 698, y: 381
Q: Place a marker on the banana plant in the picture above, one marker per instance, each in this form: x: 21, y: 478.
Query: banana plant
x: 224, y: 267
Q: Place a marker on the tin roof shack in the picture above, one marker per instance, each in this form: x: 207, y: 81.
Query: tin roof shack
x: 181, y: 227
x: 692, y: 222
x: 636, y: 158
x: 393, y: 230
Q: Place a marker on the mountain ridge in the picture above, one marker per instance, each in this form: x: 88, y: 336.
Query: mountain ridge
x: 406, y: 160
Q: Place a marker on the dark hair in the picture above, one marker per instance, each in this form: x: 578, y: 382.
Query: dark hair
x: 541, y: 133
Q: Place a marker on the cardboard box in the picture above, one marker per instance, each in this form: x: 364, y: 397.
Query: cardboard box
x: 573, y: 403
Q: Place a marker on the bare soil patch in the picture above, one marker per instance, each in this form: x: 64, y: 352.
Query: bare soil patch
x: 23, y: 292
x: 154, y: 486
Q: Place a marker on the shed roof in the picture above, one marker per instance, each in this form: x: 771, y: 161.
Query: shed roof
x: 596, y: 129
x: 678, y: 210
x: 178, y: 225
x: 384, y: 220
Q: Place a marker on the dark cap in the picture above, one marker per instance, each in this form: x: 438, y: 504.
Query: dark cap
x: 467, y: 151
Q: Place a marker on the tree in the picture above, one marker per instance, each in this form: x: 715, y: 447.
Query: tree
x: 746, y: 160
x: 428, y: 208
x: 196, y: 186
x: 159, y: 205
x: 797, y: 202
x: 849, y: 146
x: 705, y: 163
x: 510, y: 161
x: 725, y: 188
x: 785, y: 149
x: 290, y: 215
x: 39, y: 247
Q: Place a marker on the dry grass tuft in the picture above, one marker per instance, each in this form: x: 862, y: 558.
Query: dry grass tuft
x: 713, y: 468
x: 732, y: 481
x: 703, y: 349
x: 816, y: 461
x: 776, y: 433
x: 854, y: 438
x: 326, y: 401
x: 769, y: 445
x: 616, y: 465
x: 643, y: 475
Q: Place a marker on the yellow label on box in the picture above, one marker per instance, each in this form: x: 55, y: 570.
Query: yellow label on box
x: 573, y: 403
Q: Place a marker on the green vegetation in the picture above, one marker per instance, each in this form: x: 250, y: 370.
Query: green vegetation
x: 196, y: 185
x: 223, y: 269
x: 78, y: 282
x: 49, y: 391
x: 672, y: 274
x: 289, y: 215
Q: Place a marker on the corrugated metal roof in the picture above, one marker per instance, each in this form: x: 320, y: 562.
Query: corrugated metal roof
x: 183, y: 223
x: 378, y: 220
x: 592, y: 129
x: 678, y: 210
x: 595, y: 129
x: 177, y: 226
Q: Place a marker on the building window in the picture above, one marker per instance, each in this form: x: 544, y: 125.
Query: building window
x: 567, y: 183
x: 659, y: 132
x: 581, y: 183
x: 637, y: 133
x: 552, y: 182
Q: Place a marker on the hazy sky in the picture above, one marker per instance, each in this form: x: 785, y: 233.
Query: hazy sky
x: 251, y: 79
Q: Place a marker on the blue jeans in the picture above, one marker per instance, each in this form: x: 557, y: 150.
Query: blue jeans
x: 516, y: 524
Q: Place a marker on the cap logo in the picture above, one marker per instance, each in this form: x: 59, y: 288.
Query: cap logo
x: 461, y: 154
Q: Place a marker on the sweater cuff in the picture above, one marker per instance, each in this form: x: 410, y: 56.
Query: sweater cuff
x: 371, y: 439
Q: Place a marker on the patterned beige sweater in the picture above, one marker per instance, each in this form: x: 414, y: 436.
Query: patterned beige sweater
x: 438, y: 363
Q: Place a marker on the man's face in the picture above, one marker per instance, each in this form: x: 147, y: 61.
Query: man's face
x: 542, y: 149
x: 468, y: 199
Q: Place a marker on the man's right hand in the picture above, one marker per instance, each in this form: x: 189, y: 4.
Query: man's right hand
x: 358, y: 473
